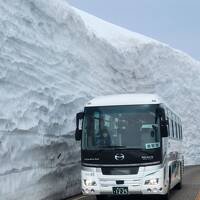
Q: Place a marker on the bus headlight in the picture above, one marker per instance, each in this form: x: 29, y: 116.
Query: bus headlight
x: 89, y: 182
x: 153, y: 181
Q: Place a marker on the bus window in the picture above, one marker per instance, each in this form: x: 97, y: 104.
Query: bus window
x: 181, y: 133
x: 170, y: 128
x: 173, y: 132
x: 176, y: 126
x: 179, y: 130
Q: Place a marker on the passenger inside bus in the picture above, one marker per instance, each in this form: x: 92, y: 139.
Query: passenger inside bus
x: 103, y: 138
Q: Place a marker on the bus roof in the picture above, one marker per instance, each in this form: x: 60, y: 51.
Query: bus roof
x: 125, y: 99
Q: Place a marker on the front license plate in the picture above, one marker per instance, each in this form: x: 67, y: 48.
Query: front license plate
x: 120, y: 190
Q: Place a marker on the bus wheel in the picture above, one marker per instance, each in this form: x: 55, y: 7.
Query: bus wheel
x: 179, y: 185
x: 166, y: 196
x: 101, y: 197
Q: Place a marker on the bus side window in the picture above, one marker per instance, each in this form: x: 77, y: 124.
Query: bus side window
x: 176, y: 130
x: 168, y: 119
x: 170, y: 125
x: 181, y: 133
x: 174, y: 125
x: 173, y: 128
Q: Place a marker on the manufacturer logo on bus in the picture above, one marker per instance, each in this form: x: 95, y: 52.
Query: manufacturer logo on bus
x: 147, y: 157
x: 119, y: 156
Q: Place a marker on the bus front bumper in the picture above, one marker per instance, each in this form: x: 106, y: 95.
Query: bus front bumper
x: 147, y: 190
x: 94, y: 183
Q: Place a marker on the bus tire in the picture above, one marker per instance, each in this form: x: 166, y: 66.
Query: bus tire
x: 179, y: 185
x: 101, y: 197
x: 167, y: 196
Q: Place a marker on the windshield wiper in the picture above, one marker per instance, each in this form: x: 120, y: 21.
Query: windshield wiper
x: 104, y: 148
x: 113, y: 147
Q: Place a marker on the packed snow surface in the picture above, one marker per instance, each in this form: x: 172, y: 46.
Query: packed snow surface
x: 53, y: 59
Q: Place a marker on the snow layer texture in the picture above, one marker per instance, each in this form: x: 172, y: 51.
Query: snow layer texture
x: 53, y: 59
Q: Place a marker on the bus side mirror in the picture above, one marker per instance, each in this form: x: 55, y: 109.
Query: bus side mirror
x: 164, y: 128
x: 160, y: 112
x: 78, y: 133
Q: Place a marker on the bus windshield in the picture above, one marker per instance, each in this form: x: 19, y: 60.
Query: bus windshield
x: 134, y: 127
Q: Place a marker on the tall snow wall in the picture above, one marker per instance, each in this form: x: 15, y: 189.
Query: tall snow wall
x: 53, y: 59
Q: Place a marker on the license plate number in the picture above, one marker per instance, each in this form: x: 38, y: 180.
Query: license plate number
x: 120, y: 190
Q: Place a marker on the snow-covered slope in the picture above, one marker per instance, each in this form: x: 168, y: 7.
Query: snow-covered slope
x: 54, y: 58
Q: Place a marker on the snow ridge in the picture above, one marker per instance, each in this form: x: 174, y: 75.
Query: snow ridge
x: 53, y: 59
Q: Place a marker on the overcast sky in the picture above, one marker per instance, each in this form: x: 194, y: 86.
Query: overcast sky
x: 175, y: 22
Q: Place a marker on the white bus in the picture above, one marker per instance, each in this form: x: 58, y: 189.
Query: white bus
x: 130, y: 144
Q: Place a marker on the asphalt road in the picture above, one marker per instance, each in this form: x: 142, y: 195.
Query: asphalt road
x: 189, y: 191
